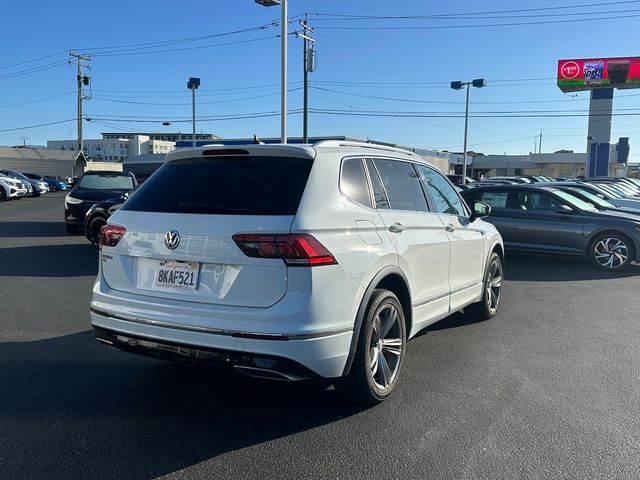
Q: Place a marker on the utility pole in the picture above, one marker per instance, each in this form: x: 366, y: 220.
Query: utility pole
x: 80, y: 80
x: 24, y: 141
x: 308, y: 63
x: 540, y: 143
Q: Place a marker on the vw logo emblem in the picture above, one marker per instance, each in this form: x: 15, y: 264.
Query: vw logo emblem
x: 172, y: 239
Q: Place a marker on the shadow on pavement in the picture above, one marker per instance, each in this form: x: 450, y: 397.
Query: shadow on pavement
x: 543, y: 268
x: 146, y: 417
x: 32, y: 229
x: 49, y: 261
x: 456, y: 320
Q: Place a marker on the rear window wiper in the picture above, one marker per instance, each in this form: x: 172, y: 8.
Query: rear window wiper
x: 194, y: 207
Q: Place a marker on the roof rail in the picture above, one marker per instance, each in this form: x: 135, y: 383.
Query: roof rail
x: 346, y: 143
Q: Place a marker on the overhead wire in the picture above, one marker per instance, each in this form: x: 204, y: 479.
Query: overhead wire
x: 483, y: 25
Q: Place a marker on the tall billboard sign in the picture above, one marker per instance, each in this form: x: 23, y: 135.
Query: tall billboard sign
x: 591, y: 73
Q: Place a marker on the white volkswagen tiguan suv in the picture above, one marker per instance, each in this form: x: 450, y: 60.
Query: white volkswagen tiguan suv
x: 293, y: 262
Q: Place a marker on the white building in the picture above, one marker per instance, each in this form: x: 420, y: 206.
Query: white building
x: 116, y: 149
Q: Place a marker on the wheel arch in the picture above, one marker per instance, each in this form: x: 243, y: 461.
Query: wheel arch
x: 88, y: 220
x: 499, y: 249
x: 610, y: 231
x: 390, y: 278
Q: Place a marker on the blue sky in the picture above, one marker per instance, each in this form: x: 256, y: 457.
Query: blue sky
x: 410, y: 67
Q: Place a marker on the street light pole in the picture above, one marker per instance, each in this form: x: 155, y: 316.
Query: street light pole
x: 193, y: 117
x: 466, y: 129
x: 478, y: 83
x: 284, y: 21
x: 283, y: 74
x: 192, y: 85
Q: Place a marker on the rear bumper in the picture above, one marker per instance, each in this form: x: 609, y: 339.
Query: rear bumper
x: 228, y: 361
x: 314, y: 331
x: 285, y: 357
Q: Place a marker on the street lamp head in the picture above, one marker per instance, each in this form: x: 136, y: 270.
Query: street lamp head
x: 456, y: 85
x: 268, y: 3
x: 479, y: 82
x: 193, y: 83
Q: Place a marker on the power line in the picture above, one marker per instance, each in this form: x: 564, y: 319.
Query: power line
x: 483, y: 17
x: 33, y: 70
x: 413, y: 100
x: 534, y: 114
x: 33, y: 60
x: 36, y: 126
x: 238, y: 42
x: 199, y: 103
x: 483, y: 25
x: 164, y: 43
x: 37, y: 100
x: 492, y: 12
x: 214, y: 118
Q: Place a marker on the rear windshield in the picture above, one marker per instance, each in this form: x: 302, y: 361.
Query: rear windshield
x: 250, y: 185
x: 107, y: 181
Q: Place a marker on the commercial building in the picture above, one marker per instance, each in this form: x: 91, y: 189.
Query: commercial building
x: 43, y: 161
x: 116, y: 149
x: 162, y: 136
x: 563, y: 163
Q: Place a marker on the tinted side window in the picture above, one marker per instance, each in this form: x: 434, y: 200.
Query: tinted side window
x: 379, y: 195
x: 542, y: 201
x: 445, y: 198
x: 402, y: 185
x: 353, y: 182
x: 493, y: 198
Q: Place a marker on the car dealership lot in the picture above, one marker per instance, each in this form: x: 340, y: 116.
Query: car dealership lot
x: 547, y: 389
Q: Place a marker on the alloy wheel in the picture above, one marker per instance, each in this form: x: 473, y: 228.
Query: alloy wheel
x: 611, y: 253
x: 493, y: 285
x: 385, y: 347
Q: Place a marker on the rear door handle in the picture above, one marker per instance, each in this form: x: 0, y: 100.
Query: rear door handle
x: 396, y: 227
x: 449, y: 228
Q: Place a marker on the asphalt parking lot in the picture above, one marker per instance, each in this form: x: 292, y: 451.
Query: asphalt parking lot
x: 548, y: 389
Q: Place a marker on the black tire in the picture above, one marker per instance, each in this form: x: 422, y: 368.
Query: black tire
x: 488, y: 305
x: 611, y: 251
x: 93, y: 230
x: 375, y: 365
x: 71, y: 228
x: 3, y: 195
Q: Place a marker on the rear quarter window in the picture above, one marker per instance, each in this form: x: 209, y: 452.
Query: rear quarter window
x: 234, y: 185
x: 353, y: 182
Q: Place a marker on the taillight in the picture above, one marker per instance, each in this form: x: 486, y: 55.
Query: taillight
x: 297, y: 250
x: 110, y: 235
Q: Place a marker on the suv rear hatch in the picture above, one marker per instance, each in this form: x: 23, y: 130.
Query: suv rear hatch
x: 180, y: 223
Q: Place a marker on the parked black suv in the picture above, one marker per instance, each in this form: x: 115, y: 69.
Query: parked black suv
x: 93, y: 187
x: 98, y: 215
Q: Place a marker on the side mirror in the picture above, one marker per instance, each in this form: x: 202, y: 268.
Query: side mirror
x: 564, y: 209
x: 479, y: 210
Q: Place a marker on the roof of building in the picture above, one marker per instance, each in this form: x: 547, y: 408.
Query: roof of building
x: 43, y: 161
x: 144, y: 159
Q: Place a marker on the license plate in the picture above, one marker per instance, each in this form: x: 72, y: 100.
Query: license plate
x: 175, y: 274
